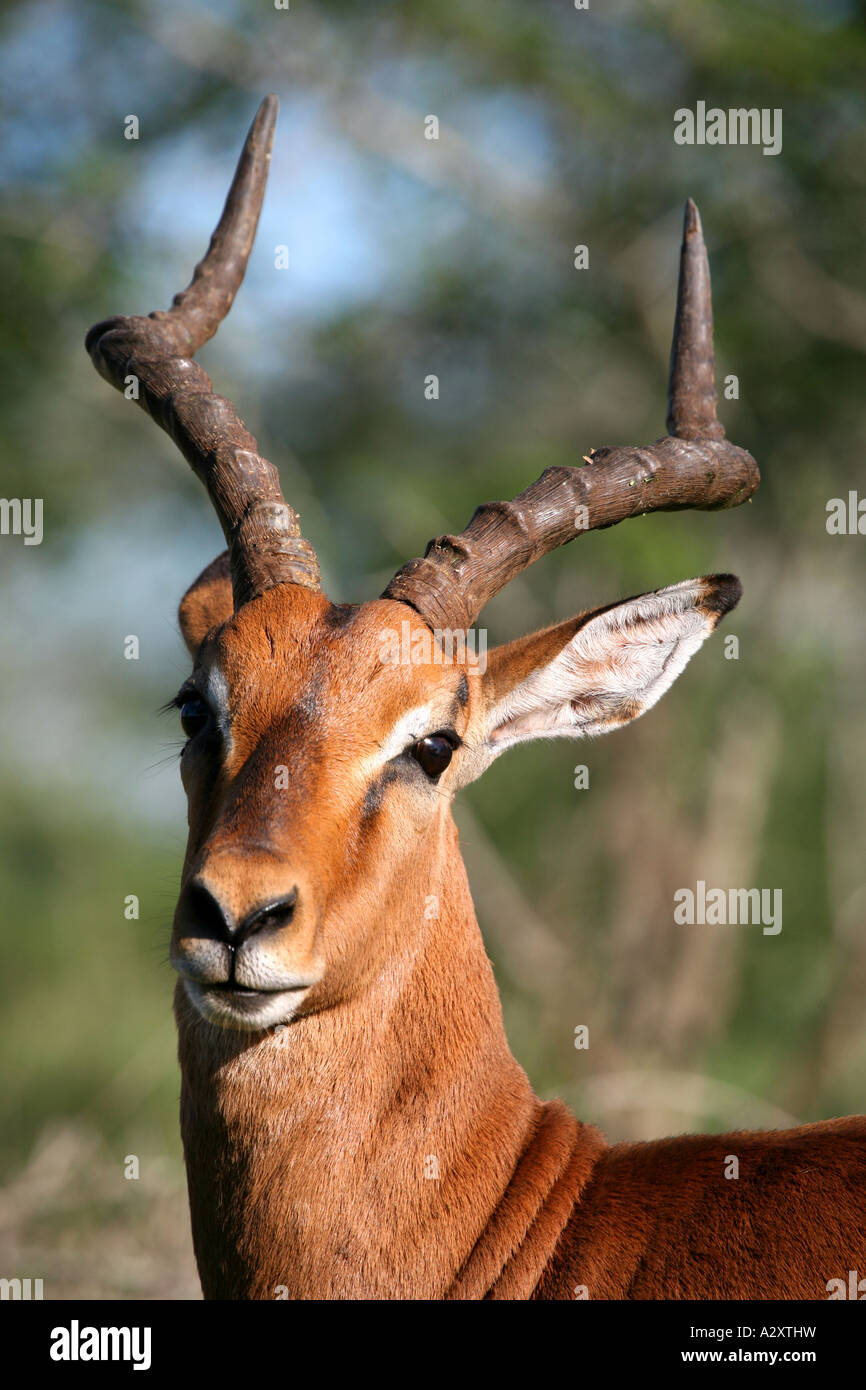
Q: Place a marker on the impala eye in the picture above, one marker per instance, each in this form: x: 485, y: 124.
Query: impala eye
x: 194, y: 714
x: 434, y: 753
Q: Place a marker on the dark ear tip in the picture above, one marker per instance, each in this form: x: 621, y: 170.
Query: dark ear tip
x: 722, y: 593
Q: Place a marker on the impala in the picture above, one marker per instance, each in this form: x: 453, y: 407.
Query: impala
x: 354, y: 1124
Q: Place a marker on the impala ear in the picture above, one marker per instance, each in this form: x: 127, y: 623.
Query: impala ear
x: 207, y: 603
x: 595, y: 672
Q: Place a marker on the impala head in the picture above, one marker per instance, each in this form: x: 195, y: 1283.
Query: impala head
x: 325, y: 741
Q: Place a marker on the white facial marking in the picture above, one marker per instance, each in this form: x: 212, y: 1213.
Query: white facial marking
x: 216, y: 692
x: 409, y: 728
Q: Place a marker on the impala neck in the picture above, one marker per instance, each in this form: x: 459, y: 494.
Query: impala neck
x: 362, y: 1151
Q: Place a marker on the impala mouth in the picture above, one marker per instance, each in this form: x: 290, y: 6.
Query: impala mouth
x: 247, y: 991
x: 229, y: 987
x: 230, y: 1005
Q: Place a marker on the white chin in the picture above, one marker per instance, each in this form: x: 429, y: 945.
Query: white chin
x: 245, y: 1013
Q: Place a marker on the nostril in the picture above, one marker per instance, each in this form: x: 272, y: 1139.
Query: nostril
x: 203, y: 915
x: 273, y: 915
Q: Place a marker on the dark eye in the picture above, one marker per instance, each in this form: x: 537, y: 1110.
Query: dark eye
x: 194, y: 714
x: 434, y: 753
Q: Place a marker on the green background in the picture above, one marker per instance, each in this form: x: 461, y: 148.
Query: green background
x: 454, y: 257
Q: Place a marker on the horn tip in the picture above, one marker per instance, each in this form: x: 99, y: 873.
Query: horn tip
x: 265, y: 120
x: 692, y: 219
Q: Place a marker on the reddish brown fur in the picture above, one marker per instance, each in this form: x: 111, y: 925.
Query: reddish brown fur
x: 306, y: 1145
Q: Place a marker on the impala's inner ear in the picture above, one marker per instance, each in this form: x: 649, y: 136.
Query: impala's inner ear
x: 604, y: 669
x: 207, y: 603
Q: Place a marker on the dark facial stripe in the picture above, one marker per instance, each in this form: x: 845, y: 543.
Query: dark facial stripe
x: 375, y: 794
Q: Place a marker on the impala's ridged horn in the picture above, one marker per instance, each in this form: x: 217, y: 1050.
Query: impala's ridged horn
x: 691, y: 385
x: 693, y: 467
x: 262, y: 530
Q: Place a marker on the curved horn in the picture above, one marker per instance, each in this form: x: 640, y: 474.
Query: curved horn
x: 262, y: 530
x: 693, y: 467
